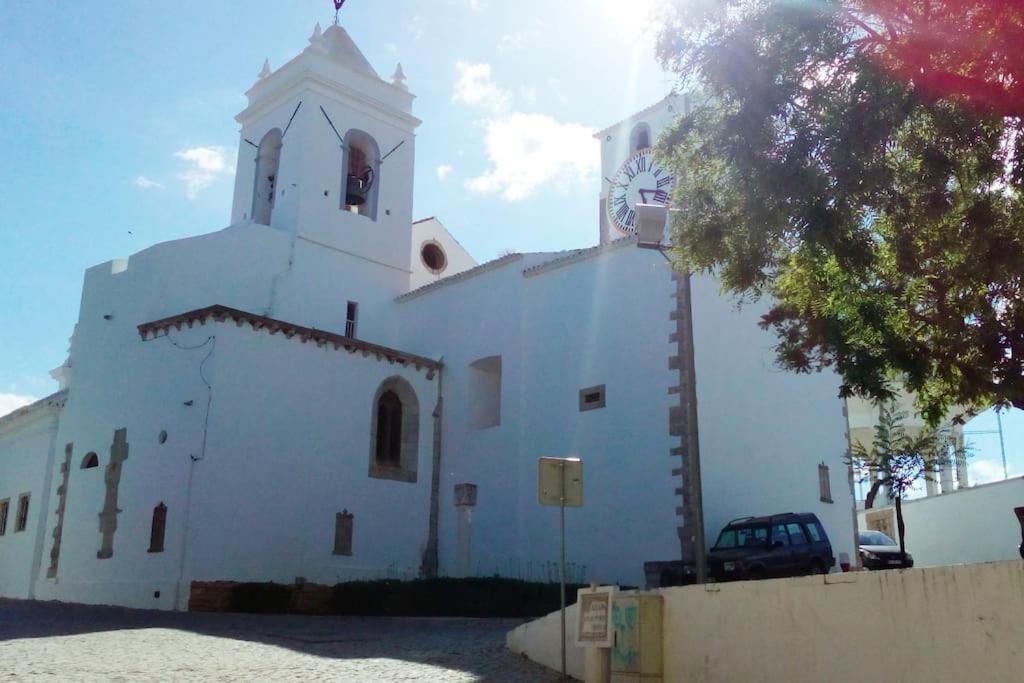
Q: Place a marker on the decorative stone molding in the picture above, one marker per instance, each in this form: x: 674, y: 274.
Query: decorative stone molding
x: 62, y: 498
x: 258, y: 323
x: 407, y: 466
x: 112, y: 477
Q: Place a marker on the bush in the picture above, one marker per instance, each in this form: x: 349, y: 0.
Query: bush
x: 488, y: 597
x: 261, y: 598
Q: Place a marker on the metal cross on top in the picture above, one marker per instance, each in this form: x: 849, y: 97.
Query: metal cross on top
x: 337, y: 8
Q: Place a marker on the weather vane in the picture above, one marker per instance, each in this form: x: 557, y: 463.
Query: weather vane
x: 337, y: 8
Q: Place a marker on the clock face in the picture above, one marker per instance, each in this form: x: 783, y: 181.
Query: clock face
x: 639, y: 181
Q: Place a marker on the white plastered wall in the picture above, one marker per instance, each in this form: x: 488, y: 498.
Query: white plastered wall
x: 26, y: 460
x: 969, y: 525
x: 457, y: 259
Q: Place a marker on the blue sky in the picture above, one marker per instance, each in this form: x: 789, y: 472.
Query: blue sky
x: 120, y: 131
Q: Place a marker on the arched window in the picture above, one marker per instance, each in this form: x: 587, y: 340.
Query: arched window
x: 90, y: 460
x: 156, y: 531
x: 268, y: 159
x: 361, y: 179
x: 389, y: 429
x: 640, y: 138
x: 396, y: 428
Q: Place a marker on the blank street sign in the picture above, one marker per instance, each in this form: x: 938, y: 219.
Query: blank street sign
x: 550, y: 489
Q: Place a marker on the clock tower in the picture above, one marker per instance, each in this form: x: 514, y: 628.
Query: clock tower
x: 629, y: 173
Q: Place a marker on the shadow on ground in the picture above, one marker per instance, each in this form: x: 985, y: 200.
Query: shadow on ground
x: 460, y: 649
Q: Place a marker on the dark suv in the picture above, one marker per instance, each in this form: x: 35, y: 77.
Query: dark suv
x: 790, y: 544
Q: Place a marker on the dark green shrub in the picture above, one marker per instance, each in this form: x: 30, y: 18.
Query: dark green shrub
x: 261, y: 598
x: 485, y: 597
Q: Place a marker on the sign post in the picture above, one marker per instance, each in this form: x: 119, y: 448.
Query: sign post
x: 560, y: 483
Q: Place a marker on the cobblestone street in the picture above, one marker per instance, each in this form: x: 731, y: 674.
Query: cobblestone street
x: 51, y: 641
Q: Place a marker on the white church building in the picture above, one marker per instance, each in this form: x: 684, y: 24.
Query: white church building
x: 327, y: 389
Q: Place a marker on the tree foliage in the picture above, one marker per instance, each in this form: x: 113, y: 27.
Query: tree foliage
x: 899, y: 458
x: 861, y: 162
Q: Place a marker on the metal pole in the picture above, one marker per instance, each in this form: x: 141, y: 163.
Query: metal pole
x: 561, y: 565
x: 1002, y: 446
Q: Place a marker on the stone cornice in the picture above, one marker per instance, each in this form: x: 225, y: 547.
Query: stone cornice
x: 258, y: 323
x: 54, y: 401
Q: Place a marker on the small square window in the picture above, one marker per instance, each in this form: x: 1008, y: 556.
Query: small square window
x: 21, y: 521
x: 592, y: 398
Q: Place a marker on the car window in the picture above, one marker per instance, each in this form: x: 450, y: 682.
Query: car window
x: 796, y: 534
x: 815, y: 531
x: 874, y: 538
x: 779, y: 535
x: 743, y: 537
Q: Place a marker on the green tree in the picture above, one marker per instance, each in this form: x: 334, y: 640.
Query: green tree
x: 899, y: 458
x: 866, y: 177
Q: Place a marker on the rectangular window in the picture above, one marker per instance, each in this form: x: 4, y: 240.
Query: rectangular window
x: 21, y: 521
x: 157, y: 529
x: 485, y: 392
x: 343, y: 533
x: 351, y: 318
x: 5, y: 505
x: 824, y: 483
x: 592, y: 398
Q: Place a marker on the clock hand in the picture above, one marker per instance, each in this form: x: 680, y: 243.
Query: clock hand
x: 644, y: 193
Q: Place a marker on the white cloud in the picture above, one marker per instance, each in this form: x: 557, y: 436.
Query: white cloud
x: 147, y: 184
x: 416, y: 27
x: 11, y: 402
x: 443, y: 171
x: 473, y: 86
x: 206, y: 165
x: 985, y: 471
x: 528, y: 94
x: 528, y: 151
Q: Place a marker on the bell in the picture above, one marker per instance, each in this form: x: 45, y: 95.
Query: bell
x: 355, y: 195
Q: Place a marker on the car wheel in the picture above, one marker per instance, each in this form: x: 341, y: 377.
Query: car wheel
x: 817, y: 567
x: 756, y: 573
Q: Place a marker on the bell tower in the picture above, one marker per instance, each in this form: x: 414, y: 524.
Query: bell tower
x: 327, y: 150
x: 630, y: 174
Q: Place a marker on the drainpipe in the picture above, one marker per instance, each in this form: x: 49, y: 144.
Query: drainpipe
x: 430, y: 561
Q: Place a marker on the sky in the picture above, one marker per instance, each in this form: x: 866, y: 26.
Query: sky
x: 120, y: 133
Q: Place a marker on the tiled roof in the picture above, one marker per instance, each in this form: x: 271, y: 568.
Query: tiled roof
x: 458, y: 277
x: 569, y: 257
x: 259, y: 323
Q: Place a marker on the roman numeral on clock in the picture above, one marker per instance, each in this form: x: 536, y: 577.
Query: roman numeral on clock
x: 621, y: 214
x: 664, y: 182
x: 641, y: 164
x: 661, y: 197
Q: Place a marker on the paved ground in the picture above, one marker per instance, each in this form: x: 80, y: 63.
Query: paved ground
x: 51, y: 641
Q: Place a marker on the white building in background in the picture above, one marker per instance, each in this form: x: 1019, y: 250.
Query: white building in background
x: 975, y: 524
x: 326, y: 389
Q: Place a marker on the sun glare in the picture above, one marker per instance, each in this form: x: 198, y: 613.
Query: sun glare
x: 633, y: 18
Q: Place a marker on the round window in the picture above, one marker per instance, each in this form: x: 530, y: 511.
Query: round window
x: 433, y: 257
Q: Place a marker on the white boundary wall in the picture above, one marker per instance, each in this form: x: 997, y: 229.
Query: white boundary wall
x: 961, y: 623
